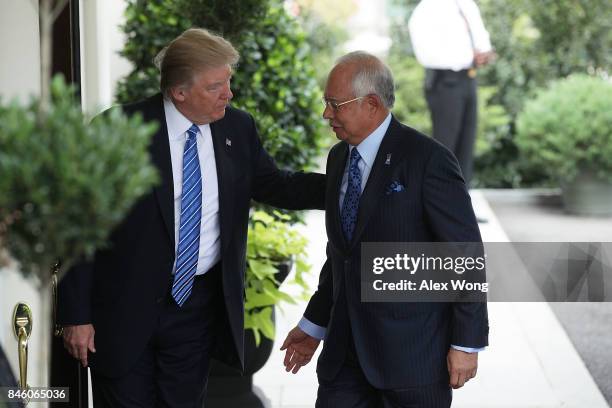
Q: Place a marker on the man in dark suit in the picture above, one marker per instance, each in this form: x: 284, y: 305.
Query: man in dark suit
x: 149, y: 312
x: 385, y: 354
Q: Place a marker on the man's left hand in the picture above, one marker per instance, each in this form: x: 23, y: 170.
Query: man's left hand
x: 462, y: 367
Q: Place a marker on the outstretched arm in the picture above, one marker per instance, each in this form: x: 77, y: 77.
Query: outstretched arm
x: 303, y: 340
x: 284, y: 189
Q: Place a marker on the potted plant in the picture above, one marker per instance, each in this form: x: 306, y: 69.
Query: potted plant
x: 273, y: 250
x: 64, y: 183
x: 567, y: 132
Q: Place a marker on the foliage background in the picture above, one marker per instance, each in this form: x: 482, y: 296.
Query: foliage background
x: 271, y: 241
x: 565, y: 129
x: 537, y: 41
x: 274, y: 81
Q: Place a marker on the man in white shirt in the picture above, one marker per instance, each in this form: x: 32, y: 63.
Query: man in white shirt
x: 450, y: 40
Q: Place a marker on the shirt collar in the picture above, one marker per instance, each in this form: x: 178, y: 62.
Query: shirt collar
x: 177, y: 123
x: 368, y: 148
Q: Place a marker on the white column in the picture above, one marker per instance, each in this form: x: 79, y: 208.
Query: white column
x: 101, y: 40
x: 20, y: 49
x: 20, y: 79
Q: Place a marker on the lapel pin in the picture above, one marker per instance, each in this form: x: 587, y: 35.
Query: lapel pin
x: 388, y: 161
x: 228, y: 142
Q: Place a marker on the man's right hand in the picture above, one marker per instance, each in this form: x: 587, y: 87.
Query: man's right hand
x: 78, y: 339
x: 484, y: 58
x: 300, y: 349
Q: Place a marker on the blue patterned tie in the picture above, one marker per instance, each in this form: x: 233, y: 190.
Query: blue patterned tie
x: 350, y: 206
x: 191, y: 215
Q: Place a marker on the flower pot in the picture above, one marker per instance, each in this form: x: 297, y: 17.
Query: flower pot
x: 588, y: 195
x: 227, y: 387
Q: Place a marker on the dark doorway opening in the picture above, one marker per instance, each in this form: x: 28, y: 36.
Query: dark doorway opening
x: 65, y: 370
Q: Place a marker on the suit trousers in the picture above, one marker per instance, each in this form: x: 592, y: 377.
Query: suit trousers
x: 173, y: 369
x: 351, y: 389
x: 452, y: 100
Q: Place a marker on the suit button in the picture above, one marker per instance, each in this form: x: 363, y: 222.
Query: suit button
x: 159, y: 300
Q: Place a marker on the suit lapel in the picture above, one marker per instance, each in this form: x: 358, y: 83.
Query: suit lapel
x: 388, y: 157
x: 334, y: 181
x: 220, y: 135
x: 160, y: 154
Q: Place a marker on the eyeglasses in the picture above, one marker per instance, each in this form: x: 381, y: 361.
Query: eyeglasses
x: 336, y: 105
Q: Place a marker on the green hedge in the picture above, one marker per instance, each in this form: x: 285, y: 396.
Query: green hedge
x: 274, y: 81
x: 568, y: 128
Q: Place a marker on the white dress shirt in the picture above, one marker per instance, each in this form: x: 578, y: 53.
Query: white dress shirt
x: 210, y: 233
x: 368, y: 148
x: 440, y: 35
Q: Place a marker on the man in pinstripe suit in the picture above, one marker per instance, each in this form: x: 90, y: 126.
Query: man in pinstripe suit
x: 385, y: 354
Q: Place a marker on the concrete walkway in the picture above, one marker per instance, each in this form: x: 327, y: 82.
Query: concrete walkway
x: 530, y: 363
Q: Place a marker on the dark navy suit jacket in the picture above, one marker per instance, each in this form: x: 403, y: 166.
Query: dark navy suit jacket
x: 398, y: 345
x: 120, y: 292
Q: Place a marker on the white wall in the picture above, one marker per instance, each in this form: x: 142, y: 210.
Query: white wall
x: 101, y: 41
x: 119, y: 66
x: 20, y: 49
x: 20, y: 79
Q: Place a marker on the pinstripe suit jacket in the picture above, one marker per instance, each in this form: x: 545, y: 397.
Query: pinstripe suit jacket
x: 398, y: 344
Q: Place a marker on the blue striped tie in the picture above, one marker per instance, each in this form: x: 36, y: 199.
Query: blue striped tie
x: 191, y: 217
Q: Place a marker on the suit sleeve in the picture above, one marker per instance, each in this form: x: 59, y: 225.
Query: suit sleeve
x: 284, y: 189
x: 319, y: 307
x: 449, y: 211
x: 74, y: 296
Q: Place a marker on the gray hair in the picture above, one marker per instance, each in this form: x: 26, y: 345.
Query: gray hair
x: 371, y: 76
x: 193, y: 51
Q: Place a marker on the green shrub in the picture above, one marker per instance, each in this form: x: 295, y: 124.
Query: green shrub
x: 65, y: 183
x: 493, y: 124
x: 410, y: 104
x: 274, y: 81
x: 149, y: 27
x: 568, y: 127
x: 271, y: 242
x: 538, y: 42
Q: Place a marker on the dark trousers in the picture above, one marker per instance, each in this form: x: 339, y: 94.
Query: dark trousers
x: 451, y: 97
x: 351, y: 389
x: 173, y: 369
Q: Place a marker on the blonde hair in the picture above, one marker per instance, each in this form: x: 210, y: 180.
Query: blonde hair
x: 194, y: 51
